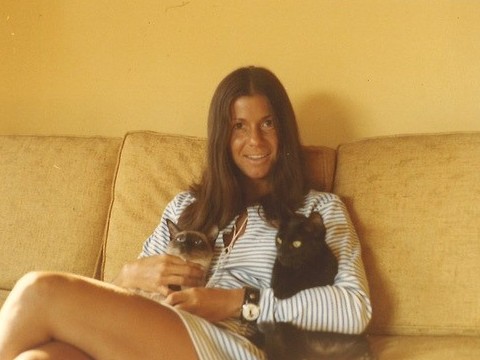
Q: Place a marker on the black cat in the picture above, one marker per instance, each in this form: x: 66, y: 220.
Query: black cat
x: 304, y: 260
x: 283, y: 341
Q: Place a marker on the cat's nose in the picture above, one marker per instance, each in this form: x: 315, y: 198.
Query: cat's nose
x: 186, y: 246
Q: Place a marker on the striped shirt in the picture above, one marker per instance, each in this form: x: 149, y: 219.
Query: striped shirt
x: 343, y: 307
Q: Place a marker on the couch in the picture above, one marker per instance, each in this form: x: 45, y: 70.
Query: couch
x: 86, y: 204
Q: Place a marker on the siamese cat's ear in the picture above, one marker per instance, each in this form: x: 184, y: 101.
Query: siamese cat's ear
x: 213, y: 233
x: 172, y: 228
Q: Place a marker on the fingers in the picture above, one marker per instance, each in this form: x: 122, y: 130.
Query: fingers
x: 165, y: 270
x: 174, y: 280
x: 184, y: 299
x: 176, y: 266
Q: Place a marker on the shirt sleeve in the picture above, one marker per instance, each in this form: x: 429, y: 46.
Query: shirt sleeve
x: 343, y: 307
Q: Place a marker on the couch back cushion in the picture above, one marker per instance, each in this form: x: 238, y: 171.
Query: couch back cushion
x: 415, y: 203
x: 55, y: 194
x: 153, y: 168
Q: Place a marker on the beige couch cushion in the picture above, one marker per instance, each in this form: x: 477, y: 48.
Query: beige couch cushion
x: 153, y: 168
x: 415, y: 203
x: 426, y: 347
x: 55, y: 194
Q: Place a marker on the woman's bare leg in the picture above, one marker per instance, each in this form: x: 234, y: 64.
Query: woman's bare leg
x: 54, y: 350
x: 104, y: 321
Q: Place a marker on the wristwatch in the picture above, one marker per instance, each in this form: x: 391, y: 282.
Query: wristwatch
x: 250, y: 309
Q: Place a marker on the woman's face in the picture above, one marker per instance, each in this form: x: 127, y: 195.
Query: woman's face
x: 254, y: 140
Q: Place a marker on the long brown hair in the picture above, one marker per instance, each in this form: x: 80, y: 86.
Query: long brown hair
x: 219, y: 196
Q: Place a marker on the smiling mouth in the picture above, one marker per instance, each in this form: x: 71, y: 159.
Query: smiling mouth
x: 256, y: 157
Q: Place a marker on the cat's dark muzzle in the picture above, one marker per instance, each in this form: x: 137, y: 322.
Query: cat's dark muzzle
x: 290, y: 261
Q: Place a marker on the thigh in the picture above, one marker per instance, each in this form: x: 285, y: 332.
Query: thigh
x: 54, y: 351
x: 108, y: 322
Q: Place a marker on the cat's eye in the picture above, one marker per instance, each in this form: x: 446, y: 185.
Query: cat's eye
x: 279, y: 241
x: 180, y: 239
x: 296, y: 244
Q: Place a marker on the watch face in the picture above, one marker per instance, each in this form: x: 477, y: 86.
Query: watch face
x: 250, y: 312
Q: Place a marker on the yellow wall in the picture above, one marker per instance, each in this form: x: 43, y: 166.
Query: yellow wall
x: 354, y: 69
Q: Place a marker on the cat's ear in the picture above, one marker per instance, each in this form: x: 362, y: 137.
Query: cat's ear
x: 316, y: 219
x: 213, y: 233
x: 172, y: 228
x: 275, y: 223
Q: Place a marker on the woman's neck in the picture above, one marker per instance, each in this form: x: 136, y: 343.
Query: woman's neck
x: 254, y: 190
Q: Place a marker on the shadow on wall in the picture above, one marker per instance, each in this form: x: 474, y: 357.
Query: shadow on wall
x: 325, y: 120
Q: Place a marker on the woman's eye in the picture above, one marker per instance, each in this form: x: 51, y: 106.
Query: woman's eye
x: 268, y: 123
x: 237, y: 125
x: 296, y: 244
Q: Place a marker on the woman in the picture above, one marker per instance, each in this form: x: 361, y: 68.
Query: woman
x: 254, y: 173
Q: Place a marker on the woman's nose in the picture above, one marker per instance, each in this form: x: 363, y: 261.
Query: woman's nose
x: 255, y: 136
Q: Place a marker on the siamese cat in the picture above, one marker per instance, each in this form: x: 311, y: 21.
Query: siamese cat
x: 188, y: 245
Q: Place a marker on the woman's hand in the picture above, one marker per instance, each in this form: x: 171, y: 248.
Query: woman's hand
x: 155, y: 273
x: 212, y: 304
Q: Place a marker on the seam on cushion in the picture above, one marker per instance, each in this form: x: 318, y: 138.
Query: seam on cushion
x: 405, y: 330
x: 334, y: 172
x: 101, y: 258
x: 171, y: 135
x: 409, y: 135
x: 335, y: 167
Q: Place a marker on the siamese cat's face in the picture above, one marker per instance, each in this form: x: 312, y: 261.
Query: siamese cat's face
x: 299, y: 239
x: 191, y: 245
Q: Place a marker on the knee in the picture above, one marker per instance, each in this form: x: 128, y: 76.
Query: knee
x: 36, y: 279
x: 37, y: 285
x: 33, y: 355
x: 53, y: 351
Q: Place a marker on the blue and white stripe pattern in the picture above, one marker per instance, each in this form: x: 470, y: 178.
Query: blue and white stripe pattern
x: 344, y: 307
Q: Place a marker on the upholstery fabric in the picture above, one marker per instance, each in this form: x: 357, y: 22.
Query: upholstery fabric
x: 152, y: 169
x: 415, y: 203
x: 425, y: 347
x: 55, y: 194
